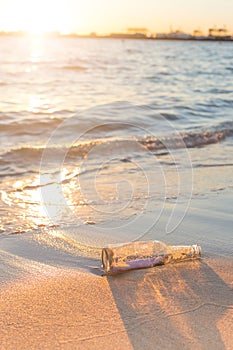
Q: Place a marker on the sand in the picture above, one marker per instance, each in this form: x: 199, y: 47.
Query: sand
x: 183, y: 306
x: 54, y: 299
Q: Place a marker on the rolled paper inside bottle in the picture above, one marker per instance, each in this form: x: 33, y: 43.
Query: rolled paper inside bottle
x: 111, y: 268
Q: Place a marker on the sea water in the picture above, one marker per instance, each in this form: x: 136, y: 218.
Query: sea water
x: 105, y: 134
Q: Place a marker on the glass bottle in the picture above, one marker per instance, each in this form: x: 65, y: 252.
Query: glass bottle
x: 144, y: 254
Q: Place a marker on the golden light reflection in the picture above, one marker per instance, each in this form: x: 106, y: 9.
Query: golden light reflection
x: 36, y: 53
x: 37, y: 103
x: 24, y: 205
x: 32, y: 203
x: 166, y: 291
x: 61, y: 194
x: 28, y: 195
x: 169, y: 307
x: 36, y: 49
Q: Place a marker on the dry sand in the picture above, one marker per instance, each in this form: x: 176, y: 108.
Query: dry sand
x: 182, y: 306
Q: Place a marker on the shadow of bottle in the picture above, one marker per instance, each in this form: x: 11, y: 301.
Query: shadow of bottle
x: 173, y: 306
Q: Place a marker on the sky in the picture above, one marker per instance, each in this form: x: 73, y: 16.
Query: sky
x: 106, y: 16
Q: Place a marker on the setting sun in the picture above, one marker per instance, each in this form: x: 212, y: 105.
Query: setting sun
x: 83, y: 17
x: 37, y: 17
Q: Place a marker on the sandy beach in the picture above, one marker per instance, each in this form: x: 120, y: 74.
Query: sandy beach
x: 55, y: 304
x: 105, y: 141
x: 188, y: 307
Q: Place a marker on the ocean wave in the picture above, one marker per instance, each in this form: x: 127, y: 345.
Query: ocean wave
x: 40, y: 61
x: 18, y: 159
x: 192, y: 139
x: 73, y: 67
x: 208, y: 165
x: 29, y: 127
x: 26, y: 62
x: 217, y: 102
x: 170, y: 116
x: 21, y: 123
x: 220, y: 91
x: 117, y: 119
x: 15, y: 114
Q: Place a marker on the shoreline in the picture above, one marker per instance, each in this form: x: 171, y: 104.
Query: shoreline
x: 113, y: 36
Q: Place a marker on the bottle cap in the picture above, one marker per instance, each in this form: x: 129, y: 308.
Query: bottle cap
x: 197, y: 250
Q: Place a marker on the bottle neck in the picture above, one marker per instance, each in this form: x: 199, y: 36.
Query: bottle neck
x: 184, y: 252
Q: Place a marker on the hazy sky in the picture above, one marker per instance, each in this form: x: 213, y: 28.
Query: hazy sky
x: 105, y: 16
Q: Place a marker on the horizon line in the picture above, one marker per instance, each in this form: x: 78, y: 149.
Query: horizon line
x: 128, y: 31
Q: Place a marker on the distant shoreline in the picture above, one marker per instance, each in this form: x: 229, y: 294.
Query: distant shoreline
x: 118, y: 36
